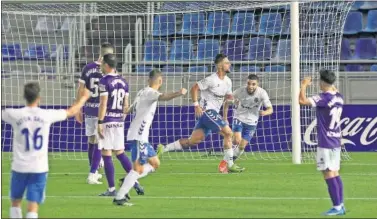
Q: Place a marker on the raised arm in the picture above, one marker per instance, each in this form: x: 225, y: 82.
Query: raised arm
x: 76, y: 107
x: 172, y: 95
x: 303, y: 100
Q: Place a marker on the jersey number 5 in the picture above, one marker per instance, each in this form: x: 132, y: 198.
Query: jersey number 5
x: 37, y: 139
x: 94, y: 86
x: 118, y: 97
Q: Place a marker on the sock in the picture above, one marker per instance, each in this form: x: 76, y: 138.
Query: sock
x: 128, y: 183
x: 228, y: 156
x: 333, y: 186
x: 109, y: 170
x: 15, y: 212
x: 96, y: 159
x: 340, y: 184
x: 237, y: 152
x: 32, y: 215
x: 126, y: 163
x: 173, y: 146
x: 90, y: 153
x: 147, y: 169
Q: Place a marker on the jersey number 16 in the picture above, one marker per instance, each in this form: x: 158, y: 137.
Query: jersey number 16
x: 37, y: 141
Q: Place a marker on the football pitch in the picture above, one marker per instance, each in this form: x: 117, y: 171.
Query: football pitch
x: 193, y: 188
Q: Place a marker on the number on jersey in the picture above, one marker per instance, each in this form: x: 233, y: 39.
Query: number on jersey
x: 94, y: 86
x: 118, y: 98
x: 37, y: 141
x: 335, y: 114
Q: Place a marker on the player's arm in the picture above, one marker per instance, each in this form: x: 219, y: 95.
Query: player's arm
x: 172, y: 95
x: 126, y: 105
x: 6, y: 115
x: 80, y: 92
x: 303, y: 100
x: 267, y: 104
x: 229, y: 100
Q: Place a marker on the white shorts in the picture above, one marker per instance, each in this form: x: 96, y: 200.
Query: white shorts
x: 328, y: 159
x: 91, y: 126
x: 113, y: 133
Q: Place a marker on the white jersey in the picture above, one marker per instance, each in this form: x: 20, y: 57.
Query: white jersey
x: 213, y: 91
x: 248, y: 106
x: 144, y: 107
x: 31, y: 129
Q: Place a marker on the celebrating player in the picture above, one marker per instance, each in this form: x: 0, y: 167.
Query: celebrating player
x: 143, y: 155
x: 31, y: 128
x: 248, y: 102
x: 90, y: 76
x: 214, y: 89
x: 329, y: 106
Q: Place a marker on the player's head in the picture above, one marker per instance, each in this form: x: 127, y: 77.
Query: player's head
x: 32, y: 92
x: 106, y: 48
x: 252, y: 83
x: 222, y: 63
x: 155, y: 78
x: 327, y: 79
x: 109, y: 63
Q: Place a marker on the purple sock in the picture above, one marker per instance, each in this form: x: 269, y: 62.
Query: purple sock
x: 90, y: 152
x: 333, y: 189
x: 123, y: 159
x: 340, y: 184
x: 96, y: 159
x: 109, y: 170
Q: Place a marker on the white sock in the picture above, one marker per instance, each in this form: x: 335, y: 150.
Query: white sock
x: 237, y: 152
x: 128, y: 183
x: 228, y: 156
x: 32, y: 215
x: 173, y: 146
x: 147, y: 169
x: 15, y: 212
x: 112, y: 189
x: 338, y: 207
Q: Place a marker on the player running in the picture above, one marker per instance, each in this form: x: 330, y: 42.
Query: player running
x: 90, y: 76
x: 329, y: 106
x: 31, y: 128
x: 248, y: 101
x: 143, y: 155
x: 213, y: 90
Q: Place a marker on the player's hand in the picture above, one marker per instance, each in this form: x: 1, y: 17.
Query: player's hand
x: 79, y: 117
x: 306, y: 81
x: 183, y: 91
x: 100, y: 131
x: 262, y: 113
x: 198, y: 111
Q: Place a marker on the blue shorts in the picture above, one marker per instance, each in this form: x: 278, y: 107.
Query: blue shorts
x: 247, y: 131
x: 141, y: 151
x: 210, y: 121
x: 34, y: 183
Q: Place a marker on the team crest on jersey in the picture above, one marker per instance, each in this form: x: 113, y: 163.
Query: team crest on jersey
x: 256, y: 100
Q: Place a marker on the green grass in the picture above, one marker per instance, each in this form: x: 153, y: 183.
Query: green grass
x: 194, y: 189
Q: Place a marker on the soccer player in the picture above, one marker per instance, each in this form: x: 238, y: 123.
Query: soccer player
x: 90, y: 76
x: 214, y: 89
x: 31, y: 128
x: 329, y: 106
x: 248, y: 101
x: 113, y: 91
x: 143, y: 155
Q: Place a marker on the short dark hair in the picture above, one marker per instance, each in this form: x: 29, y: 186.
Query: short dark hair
x: 154, y: 73
x: 106, y: 48
x: 110, y: 59
x: 31, y: 92
x: 253, y: 77
x: 219, y: 57
x: 327, y: 76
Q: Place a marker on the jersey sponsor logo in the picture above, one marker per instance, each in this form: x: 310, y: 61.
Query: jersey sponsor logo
x: 114, y: 125
x: 92, y: 105
x: 111, y: 114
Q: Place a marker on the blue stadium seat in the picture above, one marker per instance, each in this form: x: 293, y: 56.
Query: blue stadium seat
x: 312, y: 49
x: 371, y: 26
x: 155, y: 50
x: 194, y: 69
x: 345, y: 52
x: 34, y: 52
x: 286, y: 23
x: 218, y: 23
x: 164, y: 24
x: 249, y: 68
x: 373, y: 68
x: 259, y: 49
x: 52, y: 54
x: 352, y: 67
x: 365, y: 48
x: 143, y: 69
x: 283, y: 50
x: 181, y: 50
x: 207, y: 49
x: 243, y: 23
x: 270, y: 24
x: 234, y: 49
x: 368, y: 5
x: 11, y: 52
x: 274, y: 68
x: 193, y: 24
x: 354, y: 23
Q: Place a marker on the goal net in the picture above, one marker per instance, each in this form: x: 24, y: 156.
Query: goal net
x: 51, y: 42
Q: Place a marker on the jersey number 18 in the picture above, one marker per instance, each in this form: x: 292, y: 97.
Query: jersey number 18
x: 118, y: 98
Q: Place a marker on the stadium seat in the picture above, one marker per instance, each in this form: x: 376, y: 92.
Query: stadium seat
x: 283, y: 50
x: 373, y: 68
x: 243, y: 23
x: 371, y: 26
x: 194, y: 69
x: 365, y: 48
x: 368, y: 5
x: 34, y: 52
x: 172, y: 69
x: 155, y: 50
x: 286, y: 23
x: 259, y: 49
x: 352, y: 67
x: 47, y: 24
x: 312, y: 49
x: 181, y: 50
x: 356, y: 5
x: 345, y: 52
x: 218, y: 23
x: 11, y: 52
x: 193, y: 24
x: 164, y: 24
x: 234, y: 49
x: 53, y: 52
x: 207, y: 49
x: 270, y: 24
x: 274, y: 68
x: 249, y: 68
x: 143, y: 69
x: 353, y: 23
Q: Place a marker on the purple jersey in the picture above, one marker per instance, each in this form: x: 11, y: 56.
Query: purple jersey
x: 90, y: 76
x: 116, y: 88
x: 329, y: 107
